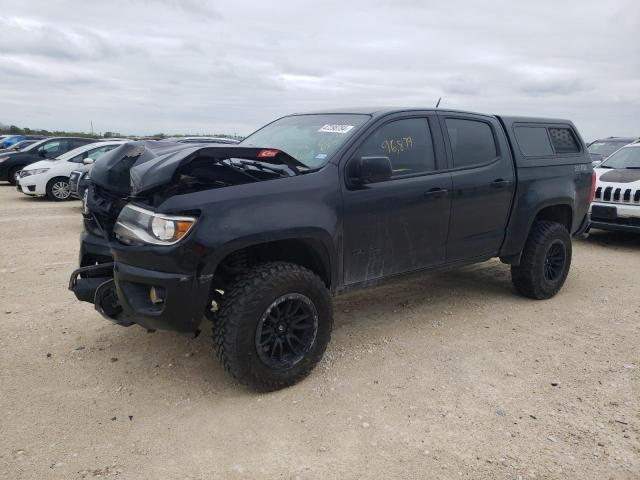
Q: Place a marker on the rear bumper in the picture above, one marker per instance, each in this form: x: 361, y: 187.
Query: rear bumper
x: 583, y: 229
x: 123, y: 293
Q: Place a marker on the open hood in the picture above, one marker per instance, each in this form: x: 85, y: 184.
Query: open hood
x: 144, y: 166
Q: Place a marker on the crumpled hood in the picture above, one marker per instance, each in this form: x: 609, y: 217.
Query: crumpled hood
x: 139, y: 167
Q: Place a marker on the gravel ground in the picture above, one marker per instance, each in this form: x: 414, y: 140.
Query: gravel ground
x: 447, y: 375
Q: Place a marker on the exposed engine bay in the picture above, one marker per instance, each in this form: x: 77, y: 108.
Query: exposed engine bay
x: 149, y: 172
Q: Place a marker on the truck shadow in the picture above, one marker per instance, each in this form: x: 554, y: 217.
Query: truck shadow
x: 440, y: 291
x: 166, y: 356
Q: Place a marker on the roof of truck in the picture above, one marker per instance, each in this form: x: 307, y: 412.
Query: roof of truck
x: 377, y: 111
x: 380, y: 111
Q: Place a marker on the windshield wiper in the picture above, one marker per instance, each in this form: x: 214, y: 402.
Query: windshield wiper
x: 632, y: 168
x: 265, y: 167
x: 603, y: 166
x: 229, y: 164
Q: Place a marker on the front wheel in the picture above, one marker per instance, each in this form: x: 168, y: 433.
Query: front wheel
x: 273, y: 326
x: 13, y: 175
x: 58, y: 189
x: 545, y: 261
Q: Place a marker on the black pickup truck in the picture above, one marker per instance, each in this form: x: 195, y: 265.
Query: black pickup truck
x: 256, y: 237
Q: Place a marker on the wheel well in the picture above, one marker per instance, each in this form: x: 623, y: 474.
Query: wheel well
x: 59, y: 177
x: 561, y: 214
x: 307, y: 252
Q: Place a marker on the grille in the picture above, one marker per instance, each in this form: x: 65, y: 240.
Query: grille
x: 618, y: 195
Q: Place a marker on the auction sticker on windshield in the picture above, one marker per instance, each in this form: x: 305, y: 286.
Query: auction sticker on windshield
x: 335, y: 128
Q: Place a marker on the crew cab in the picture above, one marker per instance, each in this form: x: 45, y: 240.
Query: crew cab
x: 257, y: 237
x: 617, y: 199
x: 48, y: 148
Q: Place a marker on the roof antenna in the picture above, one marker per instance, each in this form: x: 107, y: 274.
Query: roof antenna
x: 438, y: 104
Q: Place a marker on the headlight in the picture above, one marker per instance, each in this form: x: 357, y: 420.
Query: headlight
x: 36, y: 171
x: 138, y: 226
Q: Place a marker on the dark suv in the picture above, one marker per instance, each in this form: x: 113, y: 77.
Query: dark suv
x: 12, y: 163
x: 256, y: 237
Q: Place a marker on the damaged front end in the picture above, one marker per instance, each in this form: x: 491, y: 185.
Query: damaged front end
x: 135, y: 271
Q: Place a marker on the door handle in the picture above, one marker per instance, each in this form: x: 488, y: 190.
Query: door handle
x: 500, y: 183
x: 436, y: 192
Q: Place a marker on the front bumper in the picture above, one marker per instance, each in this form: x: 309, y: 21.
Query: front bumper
x: 27, y: 191
x: 123, y: 293
x: 31, y: 186
x: 626, y: 218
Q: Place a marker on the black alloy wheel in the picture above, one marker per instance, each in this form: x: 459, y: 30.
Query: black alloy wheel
x: 286, y: 331
x: 554, y: 262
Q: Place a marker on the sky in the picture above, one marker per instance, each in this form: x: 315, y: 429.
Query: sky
x: 198, y: 66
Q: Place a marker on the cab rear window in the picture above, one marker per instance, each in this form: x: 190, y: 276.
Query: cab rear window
x: 545, y: 141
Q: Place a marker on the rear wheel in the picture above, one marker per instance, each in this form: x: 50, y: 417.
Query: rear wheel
x: 545, y: 261
x: 58, y: 189
x: 273, y: 325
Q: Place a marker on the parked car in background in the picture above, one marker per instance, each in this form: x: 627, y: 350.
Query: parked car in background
x: 255, y: 237
x: 617, y: 200
x: 79, y: 180
x: 11, y: 140
x: 219, y: 140
x: 12, y: 163
x: 601, y: 149
x: 51, y: 177
x: 21, y: 145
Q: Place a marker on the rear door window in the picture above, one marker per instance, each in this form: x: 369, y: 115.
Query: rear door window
x: 407, y: 143
x: 533, y: 141
x: 472, y: 142
x: 55, y: 147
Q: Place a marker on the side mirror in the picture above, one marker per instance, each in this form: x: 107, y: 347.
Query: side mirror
x: 363, y: 170
x: 87, y: 161
x: 42, y: 153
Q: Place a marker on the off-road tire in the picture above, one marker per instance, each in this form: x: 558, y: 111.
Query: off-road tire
x: 50, y: 189
x: 245, y: 302
x: 11, y: 178
x: 529, y: 277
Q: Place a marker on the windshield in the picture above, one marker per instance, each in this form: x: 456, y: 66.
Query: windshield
x: 605, y: 148
x: 624, y: 158
x: 34, y: 145
x: 310, y: 139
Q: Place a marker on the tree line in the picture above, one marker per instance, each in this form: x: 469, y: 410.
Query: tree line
x: 15, y: 130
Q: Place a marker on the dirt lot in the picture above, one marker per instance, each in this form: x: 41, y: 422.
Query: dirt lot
x: 438, y: 376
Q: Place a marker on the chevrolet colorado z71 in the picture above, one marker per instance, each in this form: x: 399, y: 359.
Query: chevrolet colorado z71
x: 256, y: 237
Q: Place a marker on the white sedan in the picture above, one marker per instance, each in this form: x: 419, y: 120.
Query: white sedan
x: 51, y: 177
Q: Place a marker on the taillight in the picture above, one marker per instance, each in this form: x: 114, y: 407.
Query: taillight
x: 592, y: 195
